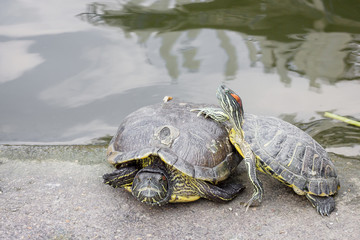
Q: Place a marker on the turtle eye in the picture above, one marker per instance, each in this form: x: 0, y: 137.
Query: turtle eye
x: 162, y: 178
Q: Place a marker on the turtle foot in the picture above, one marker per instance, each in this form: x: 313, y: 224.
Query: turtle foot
x: 214, y: 113
x: 257, y: 196
x: 232, y: 187
x: 324, y: 205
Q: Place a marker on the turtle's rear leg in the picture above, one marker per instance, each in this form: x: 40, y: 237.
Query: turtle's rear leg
x: 323, y: 205
x: 223, y: 192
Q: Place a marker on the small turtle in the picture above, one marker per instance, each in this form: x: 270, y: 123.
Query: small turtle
x: 164, y: 153
x: 279, y: 149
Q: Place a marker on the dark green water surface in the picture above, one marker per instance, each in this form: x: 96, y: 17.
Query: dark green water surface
x: 70, y: 71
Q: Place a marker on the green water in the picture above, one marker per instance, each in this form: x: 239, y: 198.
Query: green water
x: 71, y: 71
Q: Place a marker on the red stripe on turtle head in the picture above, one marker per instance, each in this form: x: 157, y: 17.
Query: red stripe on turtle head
x: 237, y: 98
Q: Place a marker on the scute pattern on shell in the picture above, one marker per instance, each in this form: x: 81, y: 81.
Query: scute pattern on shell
x: 197, y: 146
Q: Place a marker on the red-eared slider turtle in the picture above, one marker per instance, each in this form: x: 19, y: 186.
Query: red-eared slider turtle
x: 164, y: 153
x: 280, y: 149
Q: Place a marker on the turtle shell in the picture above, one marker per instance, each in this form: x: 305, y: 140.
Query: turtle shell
x: 196, y: 146
x: 291, y: 155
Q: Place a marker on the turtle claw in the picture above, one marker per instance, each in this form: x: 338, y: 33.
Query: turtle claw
x: 325, y: 211
x: 257, y: 196
x: 195, y: 109
x: 213, y: 113
x: 324, y: 205
x: 201, y: 112
x: 248, y: 204
x: 321, y: 211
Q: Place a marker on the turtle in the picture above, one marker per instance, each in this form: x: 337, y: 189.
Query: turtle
x: 163, y: 153
x: 280, y: 149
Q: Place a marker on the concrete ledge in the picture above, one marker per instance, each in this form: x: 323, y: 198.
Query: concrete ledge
x: 56, y: 192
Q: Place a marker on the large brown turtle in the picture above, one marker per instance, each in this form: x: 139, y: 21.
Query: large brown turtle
x: 165, y: 153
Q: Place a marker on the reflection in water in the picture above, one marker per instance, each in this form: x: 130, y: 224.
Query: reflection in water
x: 336, y: 136
x: 15, y: 59
x: 291, y: 38
x: 59, y: 73
x: 312, y: 57
x: 102, y: 78
x: 302, y: 37
x: 171, y: 62
x: 231, y: 63
x: 26, y: 18
x: 189, y: 53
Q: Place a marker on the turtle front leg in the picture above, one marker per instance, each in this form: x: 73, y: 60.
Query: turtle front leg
x: 121, y: 177
x: 250, y: 162
x: 250, y: 159
x: 323, y: 205
x: 215, y: 113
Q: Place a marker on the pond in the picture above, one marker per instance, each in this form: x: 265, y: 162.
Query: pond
x: 70, y: 71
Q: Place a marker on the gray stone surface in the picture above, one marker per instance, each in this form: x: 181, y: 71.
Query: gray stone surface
x: 56, y: 192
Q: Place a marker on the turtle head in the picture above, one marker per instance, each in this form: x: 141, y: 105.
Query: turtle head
x: 152, y: 186
x: 231, y: 103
